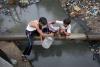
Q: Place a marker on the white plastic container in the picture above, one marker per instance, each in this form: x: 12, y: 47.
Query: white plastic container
x: 47, y: 42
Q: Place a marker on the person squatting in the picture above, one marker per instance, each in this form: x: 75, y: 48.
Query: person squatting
x: 40, y: 27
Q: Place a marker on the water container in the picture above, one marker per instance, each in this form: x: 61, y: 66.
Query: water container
x: 47, y: 42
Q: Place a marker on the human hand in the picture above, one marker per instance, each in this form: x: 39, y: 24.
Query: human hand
x: 51, y: 34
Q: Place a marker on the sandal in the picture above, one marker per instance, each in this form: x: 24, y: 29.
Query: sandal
x: 24, y: 58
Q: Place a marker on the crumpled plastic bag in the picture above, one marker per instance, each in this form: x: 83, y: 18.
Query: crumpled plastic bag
x: 76, y: 8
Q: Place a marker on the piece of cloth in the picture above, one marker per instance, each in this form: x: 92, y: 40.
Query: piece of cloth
x: 68, y: 29
x: 59, y: 25
x: 56, y: 26
x: 30, y: 28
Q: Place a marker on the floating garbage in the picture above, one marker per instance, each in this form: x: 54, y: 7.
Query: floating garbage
x: 26, y: 3
x: 33, y: 1
x: 5, y: 11
x: 76, y: 8
x: 23, y: 3
x: 94, y: 11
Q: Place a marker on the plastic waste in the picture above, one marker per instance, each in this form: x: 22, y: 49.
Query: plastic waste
x: 33, y: 1
x: 6, y: 11
x: 23, y: 3
x: 76, y: 8
x: 94, y: 11
x: 47, y: 42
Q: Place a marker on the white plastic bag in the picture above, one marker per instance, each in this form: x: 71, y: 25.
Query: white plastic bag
x: 77, y: 8
x: 47, y: 42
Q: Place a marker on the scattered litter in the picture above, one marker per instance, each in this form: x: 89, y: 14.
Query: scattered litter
x: 88, y: 9
x: 23, y: 3
x: 77, y: 8
x: 94, y: 11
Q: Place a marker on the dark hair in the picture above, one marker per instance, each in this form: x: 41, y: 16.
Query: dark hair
x: 67, y: 21
x: 43, y: 20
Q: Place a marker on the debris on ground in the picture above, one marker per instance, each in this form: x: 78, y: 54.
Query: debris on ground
x: 87, y: 10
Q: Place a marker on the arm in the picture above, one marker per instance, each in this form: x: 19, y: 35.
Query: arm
x: 68, y: 32
x: 65, y: 31
x: 41, y: 33
x: 51, y: 22
x: 41, y: 38
x: 35, y: 25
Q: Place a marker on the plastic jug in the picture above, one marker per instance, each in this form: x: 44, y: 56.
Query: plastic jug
x: 47, y: 42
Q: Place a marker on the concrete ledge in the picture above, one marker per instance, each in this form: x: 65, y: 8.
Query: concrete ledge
x: 72, y: 36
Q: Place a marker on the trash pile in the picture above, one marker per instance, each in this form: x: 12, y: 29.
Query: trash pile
x: 4, y: 7
x: 87, y: 10
x: 20, y: 3
x: 26, y: 3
